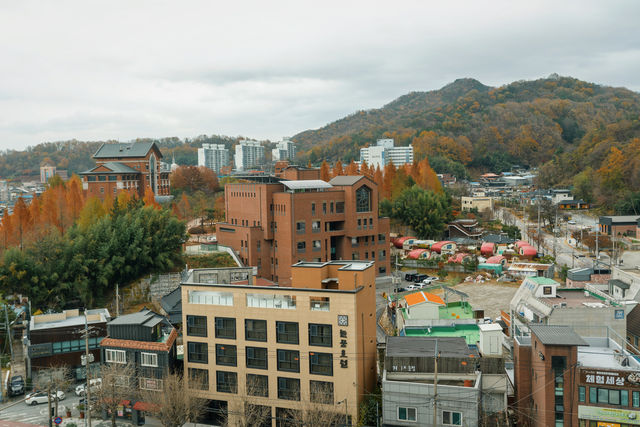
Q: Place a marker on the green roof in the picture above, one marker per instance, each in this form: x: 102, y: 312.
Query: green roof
x: 123, y: 149
x: 471, y: 333
x: 456, y: 310
x: 544, y: 281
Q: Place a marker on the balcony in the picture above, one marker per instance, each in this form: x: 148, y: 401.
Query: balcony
x: 319, y: 304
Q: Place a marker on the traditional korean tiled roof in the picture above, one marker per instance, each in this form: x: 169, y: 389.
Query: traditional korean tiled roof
x: 142, y: 345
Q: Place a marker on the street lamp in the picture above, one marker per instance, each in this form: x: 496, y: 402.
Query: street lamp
x: 346, y: 416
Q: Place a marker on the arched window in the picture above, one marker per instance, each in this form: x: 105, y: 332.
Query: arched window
x: 363, y: 199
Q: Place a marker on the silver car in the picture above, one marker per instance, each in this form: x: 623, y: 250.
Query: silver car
x: 41, y: 397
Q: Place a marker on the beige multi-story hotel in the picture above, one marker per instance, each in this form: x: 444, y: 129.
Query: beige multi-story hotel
x: 283, y: 352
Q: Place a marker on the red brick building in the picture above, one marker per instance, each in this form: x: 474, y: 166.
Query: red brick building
x: 126, y: 166
x: 273, y: 223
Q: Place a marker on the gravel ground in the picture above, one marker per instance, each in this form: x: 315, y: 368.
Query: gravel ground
x: 489, y: 296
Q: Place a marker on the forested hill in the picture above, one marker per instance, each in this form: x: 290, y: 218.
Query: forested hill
x: 75, y: 156
x: 566, y: 124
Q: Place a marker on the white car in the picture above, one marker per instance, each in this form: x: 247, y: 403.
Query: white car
x: 41, y: 397
x: 412, y: 287
x: 571, y: 222
x: 95, y: 386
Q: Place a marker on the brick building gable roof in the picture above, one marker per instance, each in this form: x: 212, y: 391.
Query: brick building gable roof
x: 125, y: 149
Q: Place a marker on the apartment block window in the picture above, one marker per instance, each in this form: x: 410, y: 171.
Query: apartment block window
x: 288, y: 388
x: 226, y: 355
x: 287, y: 332
x: 313, y: 209
x: 255, y: 330
x: 198, y: 379
x: 407, y: 414
x: 257, y: 385
x: 451, y: 418
x: 302, y: 246
x: 197, y: 352
x: 289, y: 360
x: 315, y: 227
x: 316, y: 245
x: 226, y: 327
x: 320, y: 335
x: 149, y: 359
x: 321, y: 363
x: 300, y: 227
x: 321, y: 392
x: 116, y: 356
x: 196, y: 326
x: 226, y: 382
x: 256, y: 357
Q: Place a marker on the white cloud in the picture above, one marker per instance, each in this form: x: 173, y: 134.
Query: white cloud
x: 120, y: 70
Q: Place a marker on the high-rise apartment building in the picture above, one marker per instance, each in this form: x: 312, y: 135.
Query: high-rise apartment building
x: 285, y: 150
x: 248, y: 154
x: 271, y: 355
x: 47, y: 172
x: 213, y: 156
x: 277, y: 223
x: 384, y: 152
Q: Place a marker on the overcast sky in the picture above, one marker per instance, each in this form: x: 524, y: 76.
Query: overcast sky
x: 265, y: 69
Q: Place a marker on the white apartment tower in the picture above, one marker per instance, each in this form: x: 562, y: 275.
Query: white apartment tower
x: 285, y: 150
x: 385, y: 152
x: 248, y: 154
x: 213, y: 156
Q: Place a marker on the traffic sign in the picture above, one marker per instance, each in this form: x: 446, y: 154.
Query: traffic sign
x: 57, y: 420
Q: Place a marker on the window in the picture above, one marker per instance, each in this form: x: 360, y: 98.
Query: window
x: 316, y: 246
x: 315, y: 227
x: 331, y: 207
x: 149, y: 359
x: 320, y: 335
x: 198, y: 379
x: 113, y: 177
x: 226, y: 355
x: 546, y: 290
x: 321, y: 363
x: 197, y: 352
x: 593, y: 395
x: 116, y: 356
x: 91, y: 178
x: 603, y: 395
x: 319, y: 303
x: 313, y: 209
x: 635, y: 399
x: 226, y: 382
x: 407, y: 414
x: 256, y: 357
x: 289, y: 360
x: 287, y: 332
x: 196, y: 326
x: 450, y: 418
x: 339, y: 207
x: 324, y: 208
x: 288, y: 388
x: 321, y: 392
x: 255, y: 330
x: 287, y: 302
x: 383, y: 255
x: 225, y: 327
x: 381, y: 237
x: 302, y: 246
x: 363, y: 199
x: 257, y: 385
x: 211, y: 298
x: 102, y: 178
x: 582, y: 394
x: 300, y: 227
x: 624, y: 397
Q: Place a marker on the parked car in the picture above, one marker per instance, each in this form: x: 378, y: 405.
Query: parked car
x: 95, y: 386
x: 398, y: 290
x: 425, y: 282
x: 419, y: 278
x: 41, y: 397
x: 432, y: 278
x: 572, y: 222
x: 409, y: 275
x: 412, y: 287
x: 16, y: 386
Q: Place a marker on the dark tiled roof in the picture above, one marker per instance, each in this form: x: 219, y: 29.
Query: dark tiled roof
x: 557, y: 335
x: 144, y: 317
x: 141, y: 345
x: 619, y: 283
x: 172, y: 304
x: 123, y: 149
x: 426, y: 347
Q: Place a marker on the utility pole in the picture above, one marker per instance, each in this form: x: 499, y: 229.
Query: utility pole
x: 117, y: 300
x: 538, y: 225
x: 49, y: 403
x: 435, y: 386
x: 597, y: 256
x: 9, y: 337
x: 87, y: 393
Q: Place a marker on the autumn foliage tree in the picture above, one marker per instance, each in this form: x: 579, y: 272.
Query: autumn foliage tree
x: 191, y: 179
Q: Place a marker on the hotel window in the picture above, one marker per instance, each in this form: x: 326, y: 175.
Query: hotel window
x: 288, y: 388
x: 226, y: 355
x: 225, y: 327
x: 257, y: 385
x: 450, y: 418
x: 287, y: 332
x: 255, y: 330
x: 321, y: 392
x: 256, y: 357
x: 149, y: 359
x: 288, y: 360
x: 320, y: 335
x: 198, y: 379
x: 226, y: 382
x: 320, y: 363
x: 197, y: 352
x: 406, y: 414
x: 196, y: 326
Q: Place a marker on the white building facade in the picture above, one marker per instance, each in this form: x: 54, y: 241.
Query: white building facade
x: 213, y: 156
x: 384, y: 152
x: 285, y: 150
x: 248, y: 154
